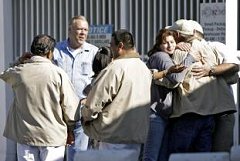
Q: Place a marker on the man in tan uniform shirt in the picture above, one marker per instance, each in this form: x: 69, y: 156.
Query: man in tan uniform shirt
x: 45, y: 105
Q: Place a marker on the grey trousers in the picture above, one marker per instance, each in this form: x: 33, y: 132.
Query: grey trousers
x: 223, y: 133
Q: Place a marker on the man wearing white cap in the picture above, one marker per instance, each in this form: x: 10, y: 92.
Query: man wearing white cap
x: 224, y: 124
x: 203, y: 98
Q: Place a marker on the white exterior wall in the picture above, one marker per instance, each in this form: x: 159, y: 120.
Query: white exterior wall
x: 231, y: 42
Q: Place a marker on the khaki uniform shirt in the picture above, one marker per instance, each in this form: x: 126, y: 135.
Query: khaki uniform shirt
x: 204, y: 96
x: 117, y: 107
x: 44, y: 103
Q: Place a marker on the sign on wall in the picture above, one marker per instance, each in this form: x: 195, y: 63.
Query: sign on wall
x: 100, y: 35
x: 212, y: 19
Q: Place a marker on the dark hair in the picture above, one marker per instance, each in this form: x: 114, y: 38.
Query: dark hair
x: 103, y: 57
x: 160, y: 38
x: 42, y: 45
x: 125, y: 37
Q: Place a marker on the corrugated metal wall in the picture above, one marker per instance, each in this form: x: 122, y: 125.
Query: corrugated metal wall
x: 142, y: 17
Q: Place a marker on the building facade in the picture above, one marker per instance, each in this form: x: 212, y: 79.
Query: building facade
x: 21, y: 20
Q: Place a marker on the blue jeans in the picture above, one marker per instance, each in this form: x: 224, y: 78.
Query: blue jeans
x: 156, y: 143
x: 80, y: 143
x: 191, y: 133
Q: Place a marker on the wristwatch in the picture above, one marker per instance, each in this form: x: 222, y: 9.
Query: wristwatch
x: 211, y: 71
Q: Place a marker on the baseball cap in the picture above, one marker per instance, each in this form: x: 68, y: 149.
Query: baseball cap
x: 176, y: 25
x: 186, y: 27
x: 196, y: 26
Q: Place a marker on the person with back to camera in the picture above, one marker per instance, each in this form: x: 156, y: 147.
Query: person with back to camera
x: 101, y: 60
x: 227, y: 69
x: 75, y: 57
x: 117, y: 108
x: 189, y: 109
x: 45, y: 105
